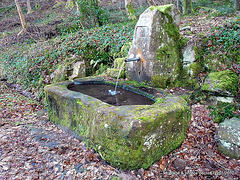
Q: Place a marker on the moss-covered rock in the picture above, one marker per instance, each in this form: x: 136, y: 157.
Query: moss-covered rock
x: 229, y: 135
x: 158, y: 43
x: 113, y: 72
x: 129, y: 137
x: 221, y: 82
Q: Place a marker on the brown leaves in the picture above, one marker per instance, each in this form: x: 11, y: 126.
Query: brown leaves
x: 15, y: 105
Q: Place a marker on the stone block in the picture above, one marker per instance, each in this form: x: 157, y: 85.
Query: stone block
x: 229, y: 134
x: 129, y: 137
x: 156, y: 41
x: 222, y: 82
x: 79, y: 70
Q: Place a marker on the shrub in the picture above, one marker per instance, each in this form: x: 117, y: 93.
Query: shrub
x: 223, y: 111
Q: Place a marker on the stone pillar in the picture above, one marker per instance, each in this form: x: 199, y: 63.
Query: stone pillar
x: 156, y: 42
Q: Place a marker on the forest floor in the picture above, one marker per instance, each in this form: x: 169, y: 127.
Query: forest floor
x: 32, y: 147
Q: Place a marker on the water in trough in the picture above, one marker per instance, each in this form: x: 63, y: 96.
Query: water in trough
x: 102, y: 92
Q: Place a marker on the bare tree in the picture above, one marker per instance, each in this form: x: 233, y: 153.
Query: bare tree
x: 187, y: 6
x: 237, y: 5
x: 152, y: 2
x: 130, y: 10
x: 21, y: 18
x: 178, y: 4
x: 143, y: 2
x: 29, y: 8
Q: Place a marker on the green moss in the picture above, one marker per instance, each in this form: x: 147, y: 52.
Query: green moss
x: 169, y: 53
x: 160, y: 101
x: 134, y: 83
x: 118, y: 62
x: 224, y: 80
x: 196, y: 68
x: 160, y: 81
x: 131, y: 12
x: 164, y: 9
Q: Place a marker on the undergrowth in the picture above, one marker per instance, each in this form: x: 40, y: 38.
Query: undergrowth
x: 32, y: 64
x: 221, y: 8
x: 223, y: 111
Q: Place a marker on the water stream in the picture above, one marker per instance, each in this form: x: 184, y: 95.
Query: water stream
x: 115, y: 92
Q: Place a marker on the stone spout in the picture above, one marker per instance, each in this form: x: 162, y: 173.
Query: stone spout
x: 132, y: 59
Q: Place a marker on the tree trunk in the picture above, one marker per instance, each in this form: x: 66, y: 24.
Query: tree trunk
x: 29, y: 7
x: 152, y: 2
x: 187, y: 6
x: 237, y: 5
x: 69, y: 4
x: 21, y: 17
x: 129, y: 9
x: 178, y: 4
x: 77, y: 6
x: 148, y: 3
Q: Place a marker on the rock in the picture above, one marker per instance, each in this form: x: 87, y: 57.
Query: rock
x: 223, y: 82
x: 186, y: 28
x: 214, y: 100
x: 118, y: 62
x: 188, y: 57
x: 59, y: 74
x: 78, y: 70
x: 179, y: 164
x: 229, y: 134
x: 129, y: 137
x: 112, y: 72
x: 156, y: 41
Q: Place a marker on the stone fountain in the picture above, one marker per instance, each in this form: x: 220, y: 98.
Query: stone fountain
x: 130, y: 136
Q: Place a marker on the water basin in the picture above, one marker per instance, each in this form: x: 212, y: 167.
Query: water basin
x: 102, y: 92
x: 126, y: 136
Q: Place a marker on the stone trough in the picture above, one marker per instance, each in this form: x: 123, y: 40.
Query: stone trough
x: 129, y: 136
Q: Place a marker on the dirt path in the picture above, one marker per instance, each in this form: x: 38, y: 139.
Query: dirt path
x: 32, y: 147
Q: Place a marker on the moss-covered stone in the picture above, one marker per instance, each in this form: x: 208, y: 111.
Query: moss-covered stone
x: 195, y: 69
x: 221, y: 82
x: 129, y: 137
x: 164, y: 8
x: 112, y: 72
x: 161, y: 81
x: 229, y: 135
x: 158, y: 43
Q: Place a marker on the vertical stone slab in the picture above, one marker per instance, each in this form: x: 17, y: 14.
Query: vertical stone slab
x: 155, y: 41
